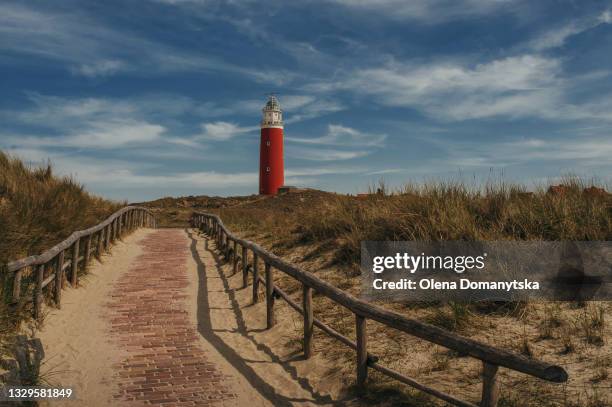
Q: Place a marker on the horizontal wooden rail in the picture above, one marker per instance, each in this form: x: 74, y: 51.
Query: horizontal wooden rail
x: 65, y: 257
x: 491, y: 357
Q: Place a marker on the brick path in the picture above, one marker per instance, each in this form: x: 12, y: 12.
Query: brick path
x: 150, y: 323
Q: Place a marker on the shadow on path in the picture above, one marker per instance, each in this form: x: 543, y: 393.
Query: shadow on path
x: 206, y: 330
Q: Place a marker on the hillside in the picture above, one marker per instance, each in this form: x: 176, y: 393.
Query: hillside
x: 39, y: 209
x: 321, y: 232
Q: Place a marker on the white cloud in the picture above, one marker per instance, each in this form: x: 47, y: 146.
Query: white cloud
x: 584, y: 151
x: 320, y: 154
x: 386, y: 171
x: 88, y: 47
x: 347, y: 143
x: 309, y: 171
x: 100, y: 68
x: 338, y: 135
x: 427, y: 11
x: 219, y: 131
x: 108, y: 172
x: 556, y: 37
x: 519, y: 86
x: 98, y: 135
x: 94, y: 123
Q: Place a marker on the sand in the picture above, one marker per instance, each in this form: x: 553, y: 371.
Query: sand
x: 78, y: 350
x: 260, y: 369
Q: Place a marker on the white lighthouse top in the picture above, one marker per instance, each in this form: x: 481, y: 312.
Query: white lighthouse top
x: 272, y: 114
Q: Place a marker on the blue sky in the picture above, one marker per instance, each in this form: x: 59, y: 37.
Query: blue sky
x: 144, y: 99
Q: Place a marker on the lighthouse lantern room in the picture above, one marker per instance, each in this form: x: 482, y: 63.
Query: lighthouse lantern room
x: 271, y: 163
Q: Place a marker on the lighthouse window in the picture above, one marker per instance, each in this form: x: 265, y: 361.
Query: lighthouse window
x: 268, y: 143
x: 267, y: 169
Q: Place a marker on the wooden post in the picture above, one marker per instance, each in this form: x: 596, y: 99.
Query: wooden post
x: 245, y: 265
x: 113, y: 229
x: 490, y: 386
x: 75, y: 263
x: 38, y: 295
x: 99, y: 244
x: 17, y: 285
x: 121, y: 224
x: 269, y: 297
x: 87, y: 252
x: 255, y: 278
x: 235, y: 259
x: 308, y: 319
x: 107, y: 237
x: 59, y: 278
x: 362, y: 351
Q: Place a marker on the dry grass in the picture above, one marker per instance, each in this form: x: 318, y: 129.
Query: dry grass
x: 37, y: 211
x: 322, y: 232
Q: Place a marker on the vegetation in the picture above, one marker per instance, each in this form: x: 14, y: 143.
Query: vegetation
x: 37, y: 211
x: 322, y: 232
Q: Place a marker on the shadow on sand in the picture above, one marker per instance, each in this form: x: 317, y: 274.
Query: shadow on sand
x: 206, y: 330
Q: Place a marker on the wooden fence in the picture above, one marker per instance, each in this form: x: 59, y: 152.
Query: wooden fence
x: 64, y: 258
x: 491, y: 357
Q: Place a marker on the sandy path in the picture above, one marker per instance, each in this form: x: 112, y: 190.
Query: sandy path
x: 77, y: 335
x: 234, y: 328
x: 161, y: 321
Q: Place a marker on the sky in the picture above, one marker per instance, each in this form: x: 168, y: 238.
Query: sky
x: 150, y: 98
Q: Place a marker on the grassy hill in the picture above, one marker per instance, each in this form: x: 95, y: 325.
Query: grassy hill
x: 321, y: 233
x: 39, y: 209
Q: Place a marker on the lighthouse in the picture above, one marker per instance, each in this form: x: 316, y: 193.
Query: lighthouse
x: 271, y: 163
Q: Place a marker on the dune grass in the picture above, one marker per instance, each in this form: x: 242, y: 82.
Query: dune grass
x: 432, y: 212
x: 322, y: 233
x: 37, y: 211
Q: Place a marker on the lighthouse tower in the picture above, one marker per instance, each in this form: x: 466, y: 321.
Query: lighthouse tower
x: 271, y: 164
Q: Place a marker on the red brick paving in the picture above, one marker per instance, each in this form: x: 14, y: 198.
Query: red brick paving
x: 148, y: 316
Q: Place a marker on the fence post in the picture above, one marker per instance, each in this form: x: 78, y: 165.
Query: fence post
x: 100, y: 242
x: 308, y: 320
x: 17, y: 286
x: 362, y: 351
x: 87, y: 252
x: 245, y: 267
x: 59, y: 277
x: 121, y: 217
x: 269, y: 297
x: 38, y: 295
x: 106, y: 237
x: 75, y: 262
x: 255, y: 278
x: 490, y: 385
x: 235, y: 259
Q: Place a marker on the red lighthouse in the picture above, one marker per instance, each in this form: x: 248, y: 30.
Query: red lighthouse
x: 271, y: 164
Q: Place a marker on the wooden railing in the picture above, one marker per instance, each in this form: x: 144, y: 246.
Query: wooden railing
x: 491, y: 357
x: 53, y: 264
